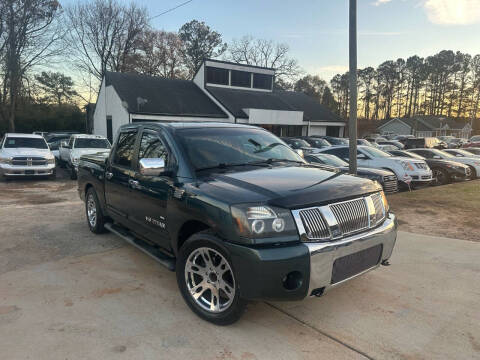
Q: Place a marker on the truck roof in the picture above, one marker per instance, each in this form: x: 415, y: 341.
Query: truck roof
x: 34, y: 136
x: 188, y: 125
x: 88, y: 136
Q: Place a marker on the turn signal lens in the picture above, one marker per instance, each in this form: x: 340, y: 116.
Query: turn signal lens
x: 385, y: 202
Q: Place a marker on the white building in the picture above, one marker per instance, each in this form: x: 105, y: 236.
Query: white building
x: 220, y: 91
x: 427, y: 126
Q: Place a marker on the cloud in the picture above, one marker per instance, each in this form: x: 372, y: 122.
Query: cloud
x: 379, y: 33
x: 453, y: 12
x: 380, y: 2
x: 328, y: 71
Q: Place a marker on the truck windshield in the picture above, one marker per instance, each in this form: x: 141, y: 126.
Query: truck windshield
x: 19, y: 142
x: 86, y: 143
x: 211, y: 147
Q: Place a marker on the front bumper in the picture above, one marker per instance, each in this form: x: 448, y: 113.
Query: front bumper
x: 292, y: 272
x: 18, y: 171
x: 323, y: 256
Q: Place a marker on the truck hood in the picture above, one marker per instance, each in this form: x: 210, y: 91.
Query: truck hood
x: 287, y: 187
x: 12, y: 152
x: 76, y: 153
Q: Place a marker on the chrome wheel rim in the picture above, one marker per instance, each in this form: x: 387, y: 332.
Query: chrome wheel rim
x: 91, y: 211
x: 210, y: 281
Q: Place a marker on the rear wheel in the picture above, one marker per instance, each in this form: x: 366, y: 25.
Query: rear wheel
x: 206, y: 278
x: 95, y: 218
x: 73, y: 173
x: 473, y: 174
x: 440, y: 177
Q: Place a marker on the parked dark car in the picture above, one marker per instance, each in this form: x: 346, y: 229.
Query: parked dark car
x: 473, y: 142
x: 317, y: 143
x: 236, y: 213
x: 444, y: 171
x: 473, y: 150
x: 332, y: 140
x: 403, y: 138
x: 386, y: 178
x: 425, y: 143
x: 298, y: 144
x: 394, y: 143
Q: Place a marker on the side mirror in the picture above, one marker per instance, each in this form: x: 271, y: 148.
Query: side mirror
x: 436, y: 157
x: 151, y: 167
x: 64, y: 144
x: 361, y: 156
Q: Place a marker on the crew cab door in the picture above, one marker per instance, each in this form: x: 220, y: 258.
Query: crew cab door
x: 119, y: 174
x: 151, y: 193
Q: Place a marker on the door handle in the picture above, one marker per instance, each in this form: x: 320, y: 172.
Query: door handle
x: 133, y: 183
x: 108, y: 175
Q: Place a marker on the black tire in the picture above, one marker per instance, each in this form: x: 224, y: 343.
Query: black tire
x: 234, y: 304
x: 473, y: 175
x: 61, y: 163
x: 441, y: 177
x: 73, y: 174
x: 53, y: 176
x: 95, y: 225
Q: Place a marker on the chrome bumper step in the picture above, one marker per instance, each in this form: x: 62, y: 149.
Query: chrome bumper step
x: 153, y: 251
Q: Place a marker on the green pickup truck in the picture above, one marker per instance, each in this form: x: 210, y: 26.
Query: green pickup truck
x: 236, y: 213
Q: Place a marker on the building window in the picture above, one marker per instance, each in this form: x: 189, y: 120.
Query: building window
x: 217, y: 76
x: 241, y: 78
x: 262, y: 81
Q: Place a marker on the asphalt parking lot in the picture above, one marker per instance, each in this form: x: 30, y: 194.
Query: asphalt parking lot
x: 68, y: 294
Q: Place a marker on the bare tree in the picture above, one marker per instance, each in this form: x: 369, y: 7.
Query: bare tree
x: 266, y: 53
x: 104, y: 34
x: 200, y: 42
x: 160, y: 54
x: 29, y: 36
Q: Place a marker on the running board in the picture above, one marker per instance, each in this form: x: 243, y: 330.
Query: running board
x: 148, y: 249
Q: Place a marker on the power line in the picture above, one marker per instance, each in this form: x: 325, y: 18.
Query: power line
x: 174, y: 8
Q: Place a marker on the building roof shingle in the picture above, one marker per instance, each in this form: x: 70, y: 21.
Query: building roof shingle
x: 143, y: 94
x: 235, y: 100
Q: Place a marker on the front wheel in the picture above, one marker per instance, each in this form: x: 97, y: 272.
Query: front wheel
x: 473, y: 174
x: 440, y: 177
x: 73, y: 174
x: 95, y: 218
x: 206, y: 278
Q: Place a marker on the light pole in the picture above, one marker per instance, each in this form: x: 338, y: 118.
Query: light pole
x: 352, y: 123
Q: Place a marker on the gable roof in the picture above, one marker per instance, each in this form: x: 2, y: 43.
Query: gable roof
x: 143, y: 94
x: 236, y: 100
x: 428, y: 122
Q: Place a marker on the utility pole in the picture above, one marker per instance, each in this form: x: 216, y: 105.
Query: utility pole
x: 352, y: 123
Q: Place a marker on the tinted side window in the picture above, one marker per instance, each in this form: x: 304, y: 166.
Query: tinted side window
x: 426, y: 154
x: 125, y: 147
x: 152, y: 147
x: 342, y: 153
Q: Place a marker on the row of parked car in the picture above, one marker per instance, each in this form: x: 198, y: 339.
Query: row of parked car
x: 402, y: 163
x: 38, y: 154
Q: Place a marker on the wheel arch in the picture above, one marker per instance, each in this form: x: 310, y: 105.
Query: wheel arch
x: 187, y: 229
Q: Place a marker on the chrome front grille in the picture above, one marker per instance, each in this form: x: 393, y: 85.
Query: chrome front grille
x: 390, y: 184
x: 28, y: 161
x: 334, y: 221
x: 421, y: 166
x: 314, y: 224
x: 352, y: 216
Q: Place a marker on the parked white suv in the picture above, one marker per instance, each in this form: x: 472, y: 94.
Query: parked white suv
x: 25, y: 155
x: 78, y: 145
x: 408, y: 170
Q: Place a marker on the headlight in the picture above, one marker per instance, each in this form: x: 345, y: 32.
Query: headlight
x: 51, y: 161
x: 385, y: 202
x: 5, y: 160
x: 407, y: 165
x: 261, y: 221
x: 74, y: 160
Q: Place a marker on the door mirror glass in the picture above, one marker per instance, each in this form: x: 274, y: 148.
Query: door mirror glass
x: 151, y: 166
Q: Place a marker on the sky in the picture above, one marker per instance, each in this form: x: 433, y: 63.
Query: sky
x: 317, y: 30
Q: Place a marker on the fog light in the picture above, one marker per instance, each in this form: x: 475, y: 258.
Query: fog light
x: 278, y: 225
x: 293, y: 280
x: 258, y: 226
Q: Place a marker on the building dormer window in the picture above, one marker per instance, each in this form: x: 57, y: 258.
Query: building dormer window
x: 262, y: 81
x: 241, y: 79
x: 217, y: 76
